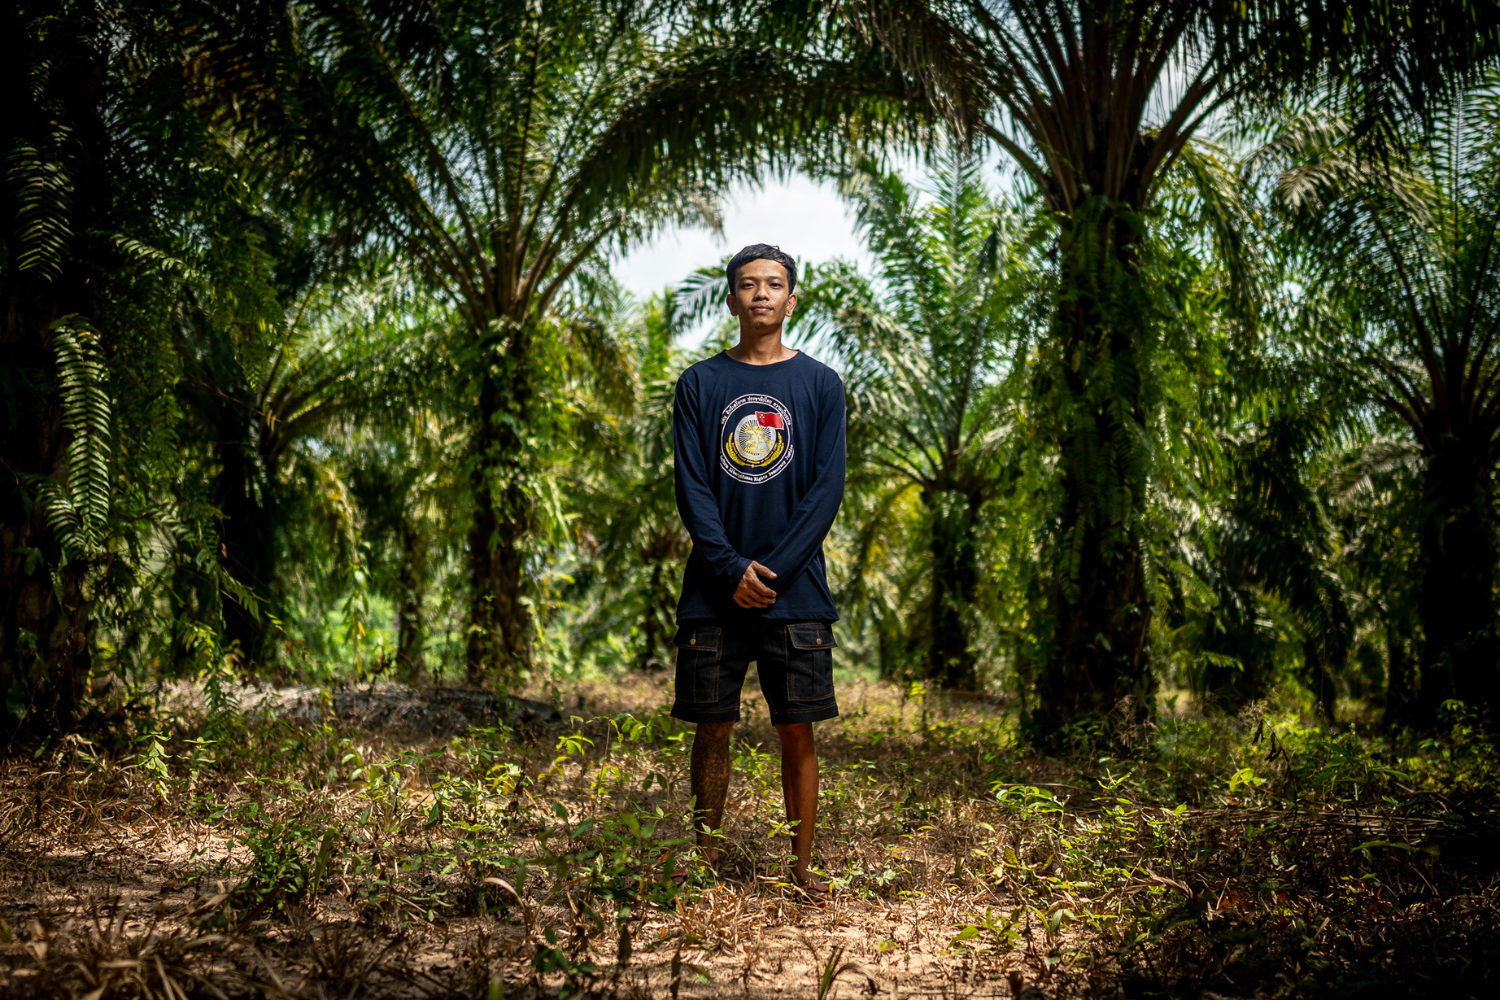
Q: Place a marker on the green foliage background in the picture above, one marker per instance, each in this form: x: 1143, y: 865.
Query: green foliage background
x: 312, y: 319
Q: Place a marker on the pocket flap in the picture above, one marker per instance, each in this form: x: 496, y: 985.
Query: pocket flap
x: 813, y: 635
x: 698, y: 637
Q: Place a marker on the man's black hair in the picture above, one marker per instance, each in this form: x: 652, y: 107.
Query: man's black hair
x: 762, y: 251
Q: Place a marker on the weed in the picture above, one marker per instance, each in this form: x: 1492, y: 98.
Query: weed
x: 321, y: 861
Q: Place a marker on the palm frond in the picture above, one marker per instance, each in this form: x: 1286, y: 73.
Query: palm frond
x: 78, y: 506
x: 41, y: 182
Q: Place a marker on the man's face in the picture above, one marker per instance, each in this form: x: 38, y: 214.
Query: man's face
x: 761, y: 298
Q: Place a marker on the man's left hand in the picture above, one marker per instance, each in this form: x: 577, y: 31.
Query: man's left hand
x: 751, y: 592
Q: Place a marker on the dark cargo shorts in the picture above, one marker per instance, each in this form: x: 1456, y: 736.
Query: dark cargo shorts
x: 796, y: 670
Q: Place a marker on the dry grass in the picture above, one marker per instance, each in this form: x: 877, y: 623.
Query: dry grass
x: 287, y: 862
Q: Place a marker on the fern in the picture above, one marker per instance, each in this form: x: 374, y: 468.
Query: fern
x: 43, y: 190
x: 216, y: 669
x: 78, y: 507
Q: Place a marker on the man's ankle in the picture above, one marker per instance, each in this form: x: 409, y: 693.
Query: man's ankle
x: 805, y: 876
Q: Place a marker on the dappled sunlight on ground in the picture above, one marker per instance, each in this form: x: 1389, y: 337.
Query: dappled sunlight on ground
x: 296, y: 859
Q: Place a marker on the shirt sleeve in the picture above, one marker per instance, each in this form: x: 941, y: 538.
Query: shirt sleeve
x: 696, y: 503
x: 813, y: 518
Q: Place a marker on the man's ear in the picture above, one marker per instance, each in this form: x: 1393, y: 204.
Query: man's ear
x: 791, y: 303
x: 729, y: 301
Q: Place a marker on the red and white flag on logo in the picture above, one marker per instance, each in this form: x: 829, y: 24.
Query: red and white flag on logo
x: 769, y: 419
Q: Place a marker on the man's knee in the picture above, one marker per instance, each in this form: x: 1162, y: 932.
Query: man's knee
x: 795, y: 733
x: 714, y: 732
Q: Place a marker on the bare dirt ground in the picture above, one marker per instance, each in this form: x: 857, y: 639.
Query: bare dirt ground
x: 335, y: 855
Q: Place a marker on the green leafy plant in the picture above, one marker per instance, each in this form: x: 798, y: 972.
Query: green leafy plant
x: 78, y: 509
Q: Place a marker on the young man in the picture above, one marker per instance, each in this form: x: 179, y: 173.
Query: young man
x: 760, y: 475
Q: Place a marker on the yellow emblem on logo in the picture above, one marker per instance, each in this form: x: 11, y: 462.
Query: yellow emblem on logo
x: 754, y: 445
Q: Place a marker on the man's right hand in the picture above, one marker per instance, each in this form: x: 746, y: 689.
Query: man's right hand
x: 751, y: 593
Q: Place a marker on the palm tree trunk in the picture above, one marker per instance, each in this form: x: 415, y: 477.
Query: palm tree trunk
x: 499, y: 639
x: 949, y: 660
x: 1322, y: 681
x: 1458, y: 555
x: 1098, y: 665
x: 411, y: 582
x: 1399, y: 696
x: 653, y: 623
x: 247, y: 501
x: 1100, y: 669
x: 499, y: 621
x: 955, y: 578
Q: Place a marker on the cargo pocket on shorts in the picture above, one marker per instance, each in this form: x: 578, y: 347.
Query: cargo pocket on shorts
x: 809, y: 662
x: 700, y: 651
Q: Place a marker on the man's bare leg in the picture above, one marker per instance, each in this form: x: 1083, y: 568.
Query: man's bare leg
x: 799, y: 786
x: 710, y: 783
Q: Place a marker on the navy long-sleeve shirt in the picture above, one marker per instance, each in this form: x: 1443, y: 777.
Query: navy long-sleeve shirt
x: 759, y: 467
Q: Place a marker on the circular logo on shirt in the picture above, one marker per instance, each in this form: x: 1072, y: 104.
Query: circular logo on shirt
x: 755, y: 438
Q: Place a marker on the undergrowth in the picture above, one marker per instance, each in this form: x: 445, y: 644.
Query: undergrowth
x: 1249, y: 856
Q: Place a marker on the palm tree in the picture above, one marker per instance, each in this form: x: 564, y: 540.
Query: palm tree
x: 410, y: 503
x: 340, y: 356
x: 1274, y: 534
x: 502, y: 146
x: 1377, y: 504
x: 931, y: 366
x: 1405, y: 288
x: 53, y: 125
x: 98, y: 155
x: 1095, y: 102
x: 630, y: 538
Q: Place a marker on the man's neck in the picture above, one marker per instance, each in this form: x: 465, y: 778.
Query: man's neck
x: 761, y: 348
